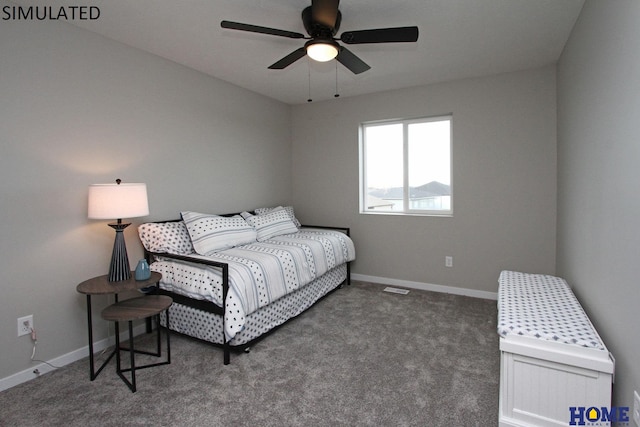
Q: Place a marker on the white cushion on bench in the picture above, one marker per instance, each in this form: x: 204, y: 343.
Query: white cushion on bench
x: 543, y: 307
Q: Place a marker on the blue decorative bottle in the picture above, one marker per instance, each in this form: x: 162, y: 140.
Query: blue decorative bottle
x: 143, y: 272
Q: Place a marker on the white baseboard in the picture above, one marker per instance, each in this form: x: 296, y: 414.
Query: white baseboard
x: 426, y: 286
x: 65, y: 359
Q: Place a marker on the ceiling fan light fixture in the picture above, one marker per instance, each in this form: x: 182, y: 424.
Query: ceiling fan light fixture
x: 322, y: 50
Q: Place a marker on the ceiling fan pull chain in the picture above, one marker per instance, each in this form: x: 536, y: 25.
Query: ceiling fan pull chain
x: 309, y: 74
x: 336, y: 95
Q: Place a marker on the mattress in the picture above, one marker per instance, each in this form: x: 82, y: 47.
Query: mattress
x: 543, y: 307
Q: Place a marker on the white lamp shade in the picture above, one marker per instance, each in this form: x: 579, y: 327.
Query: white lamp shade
x: 322, y: 52
x: 117, y: 201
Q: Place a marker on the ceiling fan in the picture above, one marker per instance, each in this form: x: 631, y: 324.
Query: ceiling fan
x: 321, y: 21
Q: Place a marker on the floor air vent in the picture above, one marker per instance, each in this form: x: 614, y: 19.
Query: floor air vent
x: 396, y: 290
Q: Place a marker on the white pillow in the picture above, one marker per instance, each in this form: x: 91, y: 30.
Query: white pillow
x: 171, y: 237
x: 275, y: 223
x: 288, y: 209
x: 213, y: 233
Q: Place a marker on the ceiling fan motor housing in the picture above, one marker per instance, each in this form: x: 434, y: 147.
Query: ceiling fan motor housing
x: 316, y: 29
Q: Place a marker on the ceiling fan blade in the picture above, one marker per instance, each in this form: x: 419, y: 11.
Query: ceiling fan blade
x: 381, y: 35
x: 289, y: 59
x: 325, y: 12
x: 261, y: 30
x: 351, y: 61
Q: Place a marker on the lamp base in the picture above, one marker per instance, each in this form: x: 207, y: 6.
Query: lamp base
x: 119, y: 268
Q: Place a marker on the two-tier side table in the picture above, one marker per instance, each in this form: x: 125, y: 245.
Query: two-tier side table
x: 102, y: 286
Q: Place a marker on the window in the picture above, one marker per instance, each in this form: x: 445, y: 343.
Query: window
x: 405, y: 166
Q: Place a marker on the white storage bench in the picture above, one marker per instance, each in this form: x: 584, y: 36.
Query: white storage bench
x: 551, y: 357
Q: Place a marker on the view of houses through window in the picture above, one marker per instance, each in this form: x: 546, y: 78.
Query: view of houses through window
x: 406, y: 166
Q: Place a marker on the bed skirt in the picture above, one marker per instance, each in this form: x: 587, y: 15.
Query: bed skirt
x: 208, y: 326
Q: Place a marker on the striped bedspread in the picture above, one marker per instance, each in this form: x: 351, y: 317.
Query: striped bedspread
x: 259, y: 273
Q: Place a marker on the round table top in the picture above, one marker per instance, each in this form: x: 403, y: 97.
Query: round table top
x: 137, y: 308
x: 102, y: 286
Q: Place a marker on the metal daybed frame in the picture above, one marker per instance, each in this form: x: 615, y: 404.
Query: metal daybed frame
x: 210, y: 307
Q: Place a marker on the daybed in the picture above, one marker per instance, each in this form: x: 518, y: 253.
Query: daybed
x: 234, y: 278
x: 554, y: 366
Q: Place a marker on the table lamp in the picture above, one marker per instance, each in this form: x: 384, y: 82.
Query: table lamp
x: 117, y: 201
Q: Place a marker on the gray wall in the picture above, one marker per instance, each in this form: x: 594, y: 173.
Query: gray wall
x: 504, y: 180
x: 77, y: 109
x: 599, y: 172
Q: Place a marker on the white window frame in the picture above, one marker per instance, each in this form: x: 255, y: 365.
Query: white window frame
x: 406, y: 210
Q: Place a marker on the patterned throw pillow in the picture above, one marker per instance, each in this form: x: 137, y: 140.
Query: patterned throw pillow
x: 288, y: 209
x: 275, y: 223
x: 171, y: 237
x: 213, y: 233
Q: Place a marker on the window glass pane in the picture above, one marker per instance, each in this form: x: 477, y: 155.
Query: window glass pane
x: 406, y: 166
x: 384, y: 167
x: 429, y: 163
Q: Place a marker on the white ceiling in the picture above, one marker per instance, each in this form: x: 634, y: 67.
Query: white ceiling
x: 458, y: 39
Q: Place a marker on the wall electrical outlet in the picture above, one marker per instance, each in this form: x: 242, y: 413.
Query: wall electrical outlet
x: 25, y: 325
x: 448, y: 261
x: 636, y: 408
